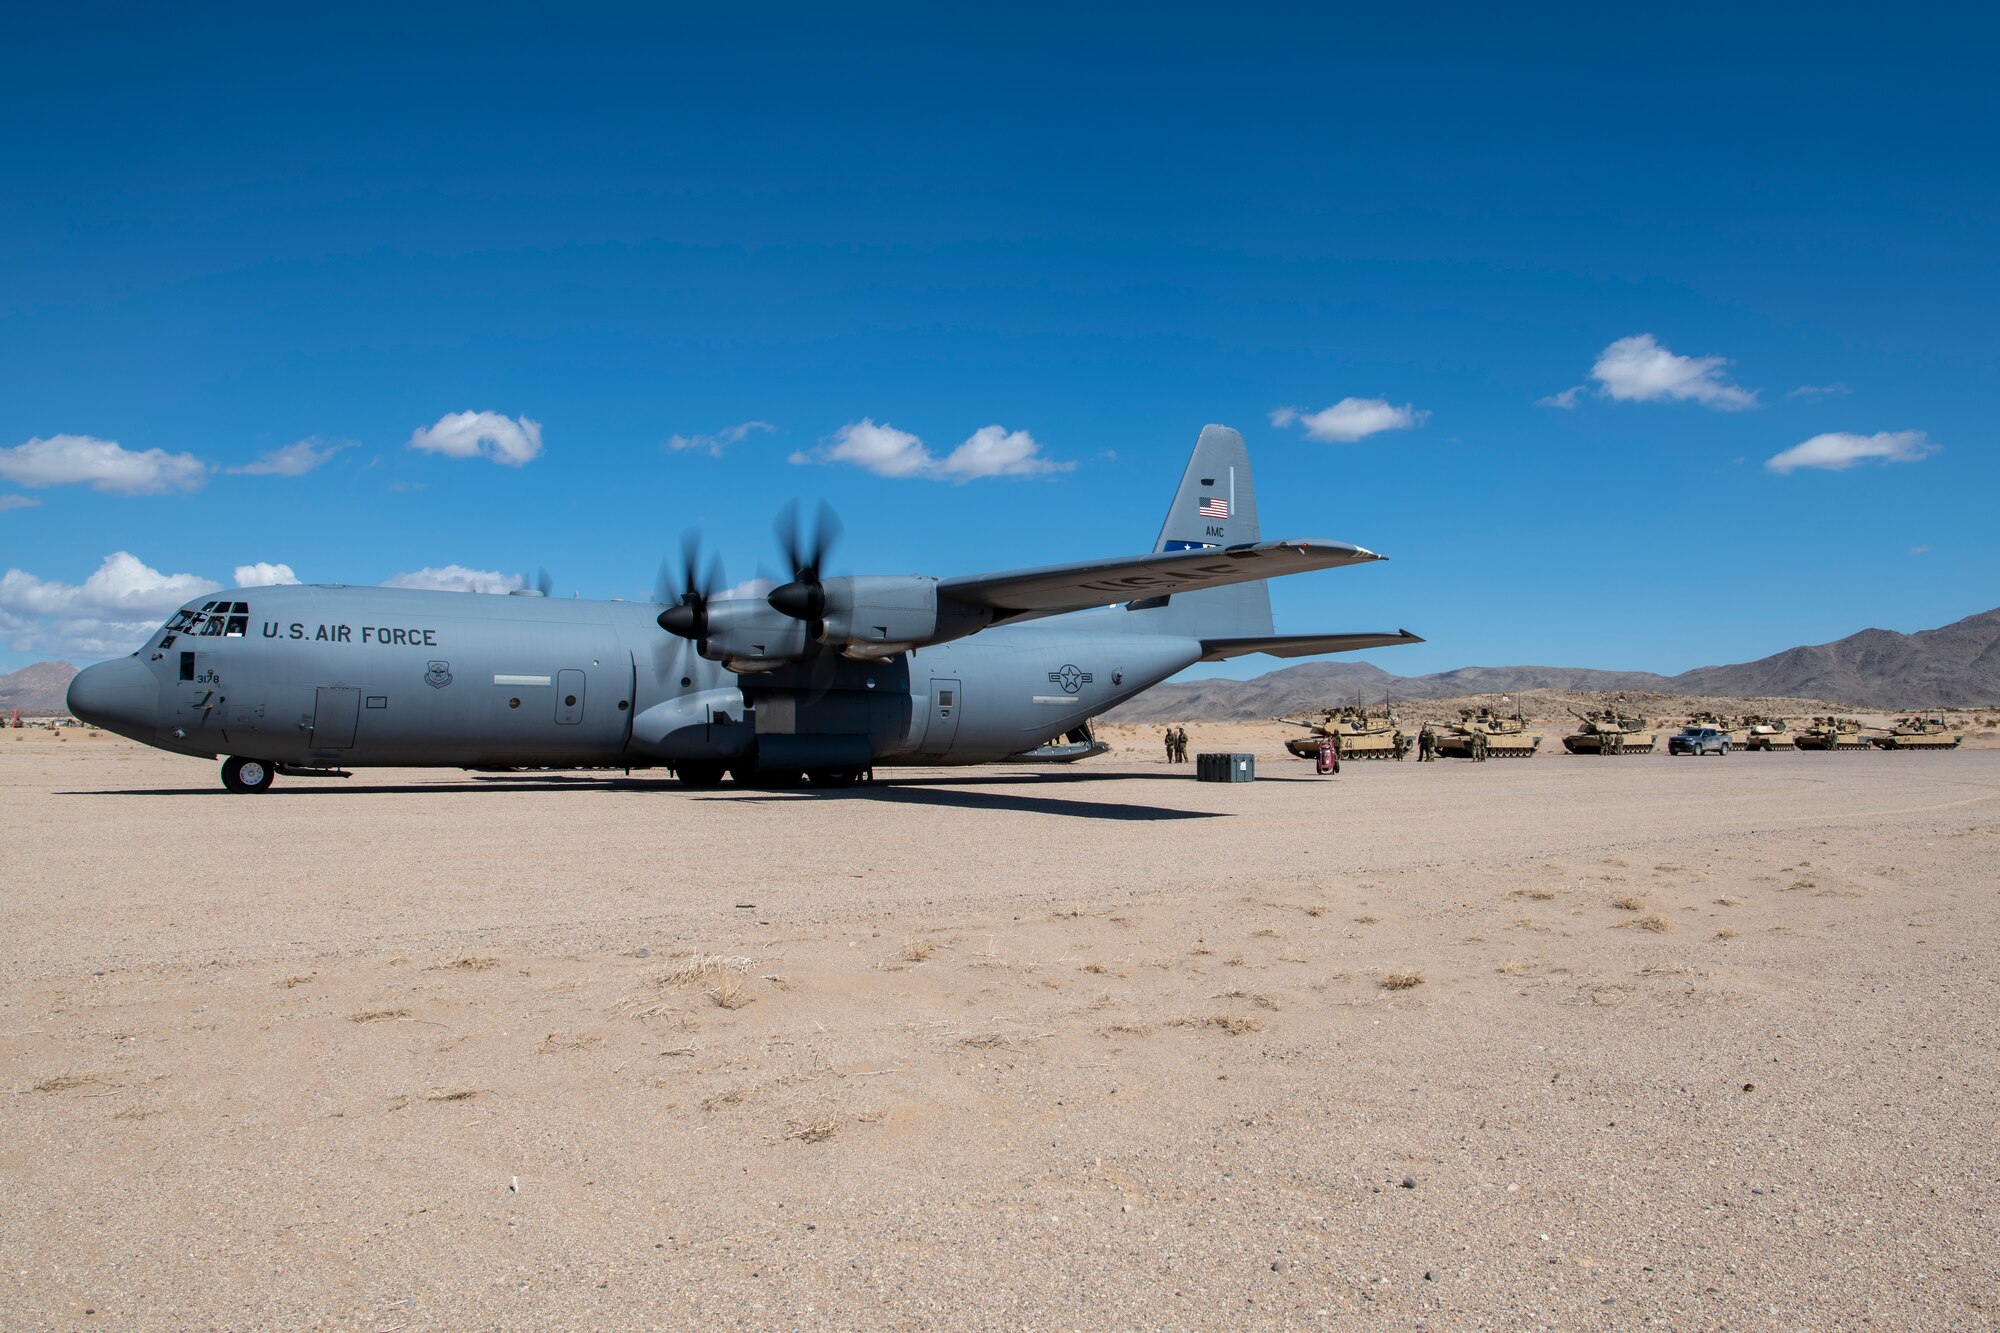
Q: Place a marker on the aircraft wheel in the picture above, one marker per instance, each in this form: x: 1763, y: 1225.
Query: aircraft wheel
x: 699, y: 774
x: 247, y: 775
x: 828, y: 779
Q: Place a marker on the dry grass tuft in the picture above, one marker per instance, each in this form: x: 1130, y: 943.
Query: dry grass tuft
x: 1726, y: 901
x: 1401, y: 980
x: 376, y: 1015
x: 1260, y: 1000
x: 1130, y: 1030
x: 1629, y: 902
x: 1234, y: 1024
x: 1366, y: 920
x: 1725, y: 934
x: 69, y: 1082
x: 452, y: 1095
x: 1514, y: 967
x: 699, y: 969
x: 729, y: 992
x: 1656, y: 923
x: 1316, y: 910
x: 290, y: 982
x: 812, y: 1131
x: 1534, y: 895
x: 916, y: 948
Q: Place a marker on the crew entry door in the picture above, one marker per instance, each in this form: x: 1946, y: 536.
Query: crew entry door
x: 569, y: 697
x: 945, y: 706
x: 334, y: 715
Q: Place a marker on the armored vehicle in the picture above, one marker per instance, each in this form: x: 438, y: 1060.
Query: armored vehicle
x: 1505, y: 737
x: 1832, y: 733
x: 1607, y: 731
x: 1355, y: 732
x: 1917, y: 733
x: 1765, y: 733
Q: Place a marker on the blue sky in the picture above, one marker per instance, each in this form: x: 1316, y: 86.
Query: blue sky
x: 459, y: 279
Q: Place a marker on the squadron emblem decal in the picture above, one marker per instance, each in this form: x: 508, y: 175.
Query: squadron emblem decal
x: 438, y: 675
x: 1070, y: 678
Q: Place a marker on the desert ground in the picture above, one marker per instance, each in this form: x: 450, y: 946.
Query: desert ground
x: 1575, y: 1043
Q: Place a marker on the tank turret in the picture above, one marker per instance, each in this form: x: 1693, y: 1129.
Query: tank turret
x: 1608, y: 731
x: 1356, y: 733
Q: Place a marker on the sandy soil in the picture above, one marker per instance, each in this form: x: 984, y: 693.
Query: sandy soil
x: 1578, y: 1044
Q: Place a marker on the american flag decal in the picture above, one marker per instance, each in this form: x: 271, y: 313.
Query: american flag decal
x: 1214, y: 506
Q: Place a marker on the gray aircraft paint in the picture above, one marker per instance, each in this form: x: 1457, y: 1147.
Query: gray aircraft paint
x: 334, y: 677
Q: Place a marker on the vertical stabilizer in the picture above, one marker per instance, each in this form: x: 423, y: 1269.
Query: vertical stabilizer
x: 1216, y: 505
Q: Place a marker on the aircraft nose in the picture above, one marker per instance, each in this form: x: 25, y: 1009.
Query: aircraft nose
x: 119, y: 696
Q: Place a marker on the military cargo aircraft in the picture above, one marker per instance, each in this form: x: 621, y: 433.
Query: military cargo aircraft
x: 822, y: 680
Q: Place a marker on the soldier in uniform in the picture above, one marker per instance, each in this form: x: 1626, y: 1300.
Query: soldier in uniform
x: 1426, y: 745
x: 1479, y: 746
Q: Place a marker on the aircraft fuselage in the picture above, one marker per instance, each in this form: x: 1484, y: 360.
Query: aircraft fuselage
x: 332, y: 677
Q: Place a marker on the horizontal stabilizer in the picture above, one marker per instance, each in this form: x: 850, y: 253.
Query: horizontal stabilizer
x: 1076, y: 587
x: 1301, y: 645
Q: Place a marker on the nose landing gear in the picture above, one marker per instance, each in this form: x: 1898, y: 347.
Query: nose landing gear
x: 247, y: 775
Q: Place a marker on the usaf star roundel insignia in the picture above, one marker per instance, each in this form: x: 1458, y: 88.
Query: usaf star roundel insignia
x: 1070, y: 678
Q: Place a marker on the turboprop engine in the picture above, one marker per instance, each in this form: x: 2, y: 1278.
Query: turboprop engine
x: 876, y: 616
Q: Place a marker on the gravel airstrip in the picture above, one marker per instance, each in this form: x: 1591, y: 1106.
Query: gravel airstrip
x: 1571, y: 1044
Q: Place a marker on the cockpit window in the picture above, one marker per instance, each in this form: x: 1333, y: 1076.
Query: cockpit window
x: 230, y: 619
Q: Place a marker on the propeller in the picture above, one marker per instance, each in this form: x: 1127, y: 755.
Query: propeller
x: 804, y: 598
x: 687, y: 615
x: 544, y: 582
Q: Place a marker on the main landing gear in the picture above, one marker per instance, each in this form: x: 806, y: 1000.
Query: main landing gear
x: 247, y: 775
x: 703, y: 775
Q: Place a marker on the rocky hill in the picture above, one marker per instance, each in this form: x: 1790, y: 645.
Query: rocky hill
x: 1957, y: 665
x: 36, y: 690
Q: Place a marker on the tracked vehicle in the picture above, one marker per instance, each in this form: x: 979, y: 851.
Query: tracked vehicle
x: 1607, y: 731
x: 1506, y: 737
x: 1832, y: 733
x: 1917, y: 733
x: 1356, y: 733
x: 1765, y: 733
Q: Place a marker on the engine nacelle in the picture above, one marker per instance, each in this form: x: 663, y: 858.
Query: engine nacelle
x: 746, y: 635
x: 873, y: 616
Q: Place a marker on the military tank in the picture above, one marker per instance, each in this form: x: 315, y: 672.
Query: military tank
x: 1356, y: 733
x: 1917, y: 733
x: 1764, y: 733
x: 1832, y: 733
x: 1506, y: 737
x: 1607, y: 731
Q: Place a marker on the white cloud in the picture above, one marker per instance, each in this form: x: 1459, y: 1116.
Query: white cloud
x: 1351, y: 419
x: 109, y: 613
x: 1639, y: 369
x: 457, y: 578
x: 713, y: 445
x: 1810, y: 391
x: 990, y: 451
x: 1566, y: 400
x: 17, y: 502
x: 481, y: 435
x: 103, y: 465
x: 264, y: 574
x: 293, y: 460
x: 994, y: 451
x: 1838, y: 450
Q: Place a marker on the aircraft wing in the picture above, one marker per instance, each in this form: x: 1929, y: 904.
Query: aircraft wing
x: 1301, y: 645
x: 1075, y: 587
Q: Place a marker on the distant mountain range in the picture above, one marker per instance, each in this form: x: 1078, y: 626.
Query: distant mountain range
x: 1957, y: 666
x: 36, y: 690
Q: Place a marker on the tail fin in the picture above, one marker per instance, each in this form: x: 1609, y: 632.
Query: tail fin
x: 1216, y: 505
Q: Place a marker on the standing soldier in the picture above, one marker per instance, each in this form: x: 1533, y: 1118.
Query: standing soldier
x: 1426, y: 745
x: 1479, y: 747
x: 1170, y: 745
x: 1180, y: 745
